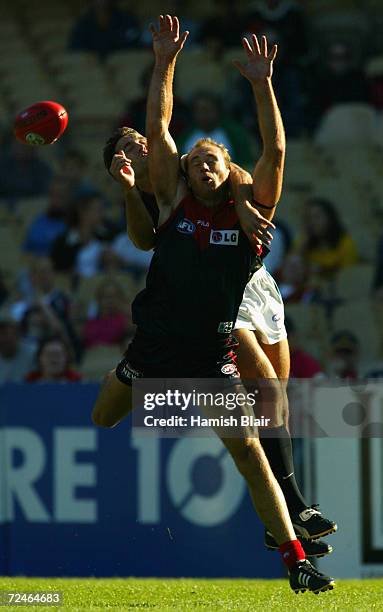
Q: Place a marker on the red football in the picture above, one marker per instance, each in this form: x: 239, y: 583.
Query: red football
x: 41, y: 124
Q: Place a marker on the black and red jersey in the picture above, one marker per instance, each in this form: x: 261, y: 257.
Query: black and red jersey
x: 199, y: 270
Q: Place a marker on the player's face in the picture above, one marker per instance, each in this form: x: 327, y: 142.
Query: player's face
x: 207, y: 170
x: 135, y: 148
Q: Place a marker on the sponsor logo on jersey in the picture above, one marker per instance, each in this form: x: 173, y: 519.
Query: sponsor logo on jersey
x: 229, y: 368
x: 225, y: 327
x: 203, y: 223
x: 225, y: 237
x: 186, y: 227
x: 276, y: 317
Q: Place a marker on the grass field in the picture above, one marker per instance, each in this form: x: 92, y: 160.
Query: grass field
x: 191, y: 594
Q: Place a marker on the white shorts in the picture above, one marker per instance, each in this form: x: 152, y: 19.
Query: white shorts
x: 262, y: 309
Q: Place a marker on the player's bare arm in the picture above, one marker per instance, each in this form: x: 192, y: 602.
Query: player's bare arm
x: 164, y: 167
x: 139, y: 224
x: 268, y: 172
x: 253, y: 223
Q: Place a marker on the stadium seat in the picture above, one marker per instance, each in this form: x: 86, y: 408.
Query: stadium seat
x: 126, y: 68
x: 354, y: 282
x: 311, y: 326
x: 358, y: 317
x: 347, y: 124
x: 99, y: 361
x: 198, y: 71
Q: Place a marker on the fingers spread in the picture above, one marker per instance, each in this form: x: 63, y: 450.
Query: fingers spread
x: 247, y: 47
x: 273, y: 53
x: 176, y: 26
x: 264, y: 46
x: 183, y: 38
x: 256, y: 44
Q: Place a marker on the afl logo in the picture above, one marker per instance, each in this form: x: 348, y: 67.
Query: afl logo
x: 276, y: 318
x: 186, y: 227
x: 228, y: 369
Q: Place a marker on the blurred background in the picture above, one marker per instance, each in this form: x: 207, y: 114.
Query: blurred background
x: 68, y: 272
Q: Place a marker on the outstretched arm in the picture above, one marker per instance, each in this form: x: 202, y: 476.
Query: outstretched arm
x: 139, y: 224
x: 163, y: 156
x: 268, y: 172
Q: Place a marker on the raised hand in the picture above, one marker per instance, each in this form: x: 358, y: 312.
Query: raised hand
x: 167, y: 42
x: 259, y: 65
x: 121, y: 169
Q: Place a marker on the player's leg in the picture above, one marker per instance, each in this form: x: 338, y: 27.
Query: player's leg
x: 113, y: 403
x: 307, y: 520
x: 265, y: 491
x: 271, y: 507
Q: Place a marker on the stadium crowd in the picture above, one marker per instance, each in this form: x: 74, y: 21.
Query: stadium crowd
x: 69, y: 295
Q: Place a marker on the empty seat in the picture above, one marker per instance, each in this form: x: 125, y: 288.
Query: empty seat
x: 348, y: 124
x: 358, y: 316
x: 354, y: 282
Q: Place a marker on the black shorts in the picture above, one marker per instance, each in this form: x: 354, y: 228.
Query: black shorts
x: 148, y: 357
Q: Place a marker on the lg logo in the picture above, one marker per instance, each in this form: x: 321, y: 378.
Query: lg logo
x: 225, y: 237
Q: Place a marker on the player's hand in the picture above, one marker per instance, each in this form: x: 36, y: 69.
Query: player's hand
x: 121, y: 169
x: 255, y: 226
x: 167, y: 42
x: 259, y: 65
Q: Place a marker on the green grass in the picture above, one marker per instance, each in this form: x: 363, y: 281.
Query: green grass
x: 192, y: 594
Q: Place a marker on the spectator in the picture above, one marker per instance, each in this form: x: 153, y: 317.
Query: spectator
x: 344, y: 356
x: 286, y: 19
x: 130, y: 258
x: 16, y: 357
x: 80, y: 249
x: 335, y: 80
x: 294, y: 280
x: 209, y: 122
x: 22, y: 173
x: 49, y: 224
x: 110, y: 323
x: 325, y: 244
x: 302, y: 364
x: 104, y: 29
x: 38, y: 286
x: 38, y: 322
x: 135, y: 112
x: 53, y: 363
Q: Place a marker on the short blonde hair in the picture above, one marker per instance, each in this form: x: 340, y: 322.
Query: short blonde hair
x: 210, y: 142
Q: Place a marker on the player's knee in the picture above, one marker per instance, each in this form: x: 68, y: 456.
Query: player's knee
x: 247, y: 456
x: 271, y: 401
